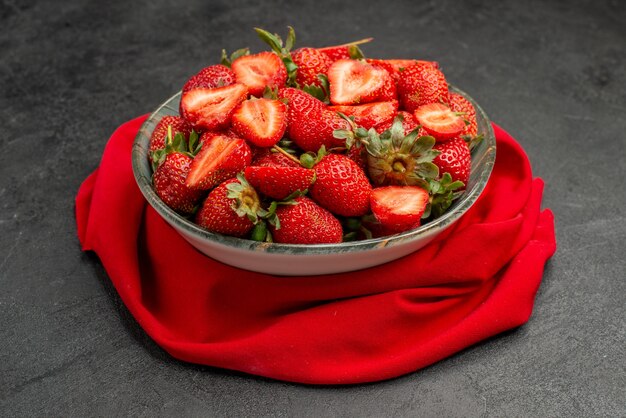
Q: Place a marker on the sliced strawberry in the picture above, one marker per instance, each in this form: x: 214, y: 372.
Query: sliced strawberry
x: 260, y: 70
x: 220, y: 158
x: 260, y: 121
x: 370, y: 115
x: 440, y: 121
x: 399, y: 208
x: 211, y: 77
x: 279, y: 182
x: 211, y: 108
x: 353, y: 82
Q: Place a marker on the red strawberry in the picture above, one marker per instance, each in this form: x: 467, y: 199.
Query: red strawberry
x: 459, y: 103
x: 440, y: 121
x: 370, y: 115
x: 395, y: 66
x: 409, y: 123
x: 455, y: 159
x: 260, y: 70
x: 389, y: 90
x: 229, y: 207
x: 341, y: 186
x: 211, y: 108
x: 274, y: 159
x: 159, y: 134
x: 399, y: 208
x: 420, y: 84
x: 310, y: 124
x: 220, y: 158
x: 169, y: 183
x: 279, y: 182
x: 306, y: 223
x: 211, y: 77
x: 260, y: 121
x: 310, y: 62
x: 353, y: 82
x: 358, y: 154
x: 345, y: 51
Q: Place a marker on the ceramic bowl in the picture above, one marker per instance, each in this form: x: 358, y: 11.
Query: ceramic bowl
x: 299, y: 260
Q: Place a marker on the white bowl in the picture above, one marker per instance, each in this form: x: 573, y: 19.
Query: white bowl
x: 298, y: 259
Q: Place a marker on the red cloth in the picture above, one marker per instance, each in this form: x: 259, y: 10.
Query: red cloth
x: 477, y: 281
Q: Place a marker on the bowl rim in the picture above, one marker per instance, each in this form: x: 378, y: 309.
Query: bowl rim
x: 457, y: 210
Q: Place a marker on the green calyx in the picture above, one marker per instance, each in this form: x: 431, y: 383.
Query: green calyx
x: 177, y: 143
x: 353, y: 136
x: 283, y: 50
x: 443, y: 193
x: 321, y: 92
x: 472, y: 141
x: 269, y: 214
x: 227, y: 60
x: 247, y: 202
x: 309, y: 159
x: 397, y: 159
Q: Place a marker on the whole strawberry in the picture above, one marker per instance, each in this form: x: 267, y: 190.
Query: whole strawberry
x: 459, y: 103
x: 420, y: 84
x: 159, y: 134
x: 310, y: 124
x: 171, y: 168
x: 230, y: 209
x: 341, y: 186
x: 306, y: 223
x: 211, y: 77
x: 274, y: 159
x: 310, y: 62
x: 345, y: 51
x: 409, y: 123
x: 279, y: 182
x: 455, y: 159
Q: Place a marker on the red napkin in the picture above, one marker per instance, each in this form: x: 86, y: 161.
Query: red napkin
x: 478, y: 280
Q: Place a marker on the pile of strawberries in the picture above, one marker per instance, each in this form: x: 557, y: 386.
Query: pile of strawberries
x: 314, y: 145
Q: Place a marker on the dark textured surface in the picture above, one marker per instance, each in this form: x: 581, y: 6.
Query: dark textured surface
x: 551, y: 73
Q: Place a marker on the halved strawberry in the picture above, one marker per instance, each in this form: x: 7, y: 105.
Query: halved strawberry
x: 260, y: 70
x: 220, y: 158
x: 211, y: 108
x: 279, y: 182
x: 370, y: 115
x: 211, y: 77
x: 353, y: 82
x: 399, y: 208
x: 440, y: 121
x: 260, y: 121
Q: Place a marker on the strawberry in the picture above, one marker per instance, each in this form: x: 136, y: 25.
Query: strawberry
x: 261, y: 121
x: 274, y: 159
x: 279, y: 182
x: 353, y: 82
x: 211, y: 77
x: 310, y: 124
x: 439, y: 121
x: 211, y: 108
x: 370, y: 115
x: 341, y: 186
x: 395, y: 66
x: 306, y: 223
x: 459, y: 103
x: 389, y: 90
x: 358, y: 154
x: 159, y: 134
x: 399, y: 208
x: 408, y: 124
x: 420, y: 84
x: 455, y: 159
x: 220, y: 158
x: 230, y: 209
x: 310, y: 62
x: 169, y: 183
x: 345, y: 51
x: 258, y: 71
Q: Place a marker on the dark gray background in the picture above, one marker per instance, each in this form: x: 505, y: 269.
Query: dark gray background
x: 552, y: 73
